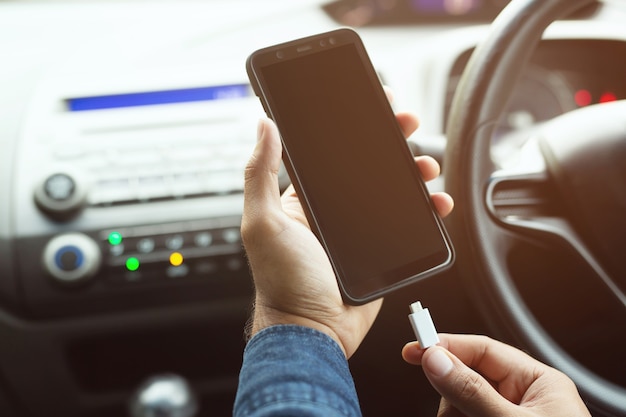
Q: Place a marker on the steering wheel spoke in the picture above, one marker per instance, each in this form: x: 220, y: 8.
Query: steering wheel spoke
x: 529, y: 204
x: 528, y: 196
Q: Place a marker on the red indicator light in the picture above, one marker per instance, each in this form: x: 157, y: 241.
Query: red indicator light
x: 582, y: 98
x: 607, y: 97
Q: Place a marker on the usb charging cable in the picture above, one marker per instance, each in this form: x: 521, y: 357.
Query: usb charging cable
x: 423, y: 325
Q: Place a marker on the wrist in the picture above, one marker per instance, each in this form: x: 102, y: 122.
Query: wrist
x: 264, y: 317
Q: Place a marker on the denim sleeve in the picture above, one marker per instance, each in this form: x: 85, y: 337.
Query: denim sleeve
x: 291, y: 370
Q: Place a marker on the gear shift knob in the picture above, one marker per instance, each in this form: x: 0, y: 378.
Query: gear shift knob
x: 165, y: 395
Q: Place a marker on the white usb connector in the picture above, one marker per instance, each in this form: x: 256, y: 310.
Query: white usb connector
x: 423, y: 325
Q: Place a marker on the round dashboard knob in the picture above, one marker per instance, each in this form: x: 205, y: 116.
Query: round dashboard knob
x: 60, y: 193
x: 72, y: 258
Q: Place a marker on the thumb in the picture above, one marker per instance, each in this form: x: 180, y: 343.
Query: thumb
x: 462, y: 387
x: 261, y: 190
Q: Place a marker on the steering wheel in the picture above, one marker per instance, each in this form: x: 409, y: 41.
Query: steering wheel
x: 575, y: 199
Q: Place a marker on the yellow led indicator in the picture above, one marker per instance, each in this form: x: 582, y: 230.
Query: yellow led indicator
x: 132, y: 264
x: 115, y: 238
x: 176, y: 259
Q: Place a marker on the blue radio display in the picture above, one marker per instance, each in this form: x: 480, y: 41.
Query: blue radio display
x: 150, y: 98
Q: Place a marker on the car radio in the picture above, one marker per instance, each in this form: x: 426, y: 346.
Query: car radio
x: 129, y: 194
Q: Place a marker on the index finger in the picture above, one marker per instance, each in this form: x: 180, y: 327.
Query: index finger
x: 408, y: 123
x: 493, y: 359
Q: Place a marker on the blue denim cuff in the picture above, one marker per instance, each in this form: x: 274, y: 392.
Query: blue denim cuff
x: 293, y: 370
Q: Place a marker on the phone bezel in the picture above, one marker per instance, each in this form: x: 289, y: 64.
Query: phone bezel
x: 375, y: 287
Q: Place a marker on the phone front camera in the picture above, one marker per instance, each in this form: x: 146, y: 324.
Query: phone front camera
x: 322, y: 43
x: 280, y: 54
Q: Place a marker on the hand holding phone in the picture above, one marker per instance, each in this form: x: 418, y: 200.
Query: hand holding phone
x: 350, y: 165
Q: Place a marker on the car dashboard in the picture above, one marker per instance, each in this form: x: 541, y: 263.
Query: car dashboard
x: 125, y: 132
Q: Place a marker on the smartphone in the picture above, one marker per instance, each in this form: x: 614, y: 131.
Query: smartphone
x: 350, y: 164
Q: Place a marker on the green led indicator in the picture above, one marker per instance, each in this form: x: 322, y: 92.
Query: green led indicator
x: 132, y: 264
x: 115, y: 238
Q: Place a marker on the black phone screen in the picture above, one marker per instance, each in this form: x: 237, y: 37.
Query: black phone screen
x: 354, y: 169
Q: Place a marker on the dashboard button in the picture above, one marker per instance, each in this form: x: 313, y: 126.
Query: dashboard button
x: 72, y: 258
x: 177, y: 271
x: 69, y: 258
x: 174, y: 242
x: 117, y: 250
x: 231, y: 235
x: 145, y: 245
x: 203, y: 239
x: 59, y: 187
x: 60, y: 193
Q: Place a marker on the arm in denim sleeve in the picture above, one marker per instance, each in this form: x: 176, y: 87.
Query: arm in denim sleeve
x: 292, y: 370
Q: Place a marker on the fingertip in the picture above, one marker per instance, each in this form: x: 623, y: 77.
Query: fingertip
x: 268, y: 143
x: 443, y: 203
x: 265, y: 128
x: 437, y: 362
x: 261, y: 128
x: 428, y: 166
x: 412, y: 353
x: 408, y: 123
x: 261, y: 173
x: 388, y: 93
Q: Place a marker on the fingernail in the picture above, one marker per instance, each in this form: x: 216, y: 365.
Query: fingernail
x: 438, y: 363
